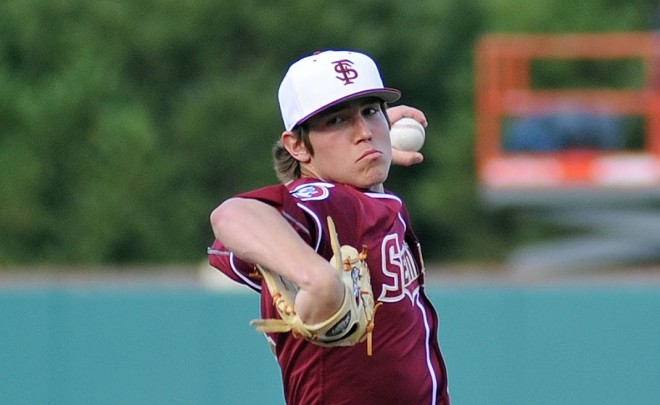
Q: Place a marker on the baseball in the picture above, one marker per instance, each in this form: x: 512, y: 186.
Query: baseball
x: 407, y: 134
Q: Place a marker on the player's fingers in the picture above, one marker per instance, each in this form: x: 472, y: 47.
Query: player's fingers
x: 400, y: 111
x: 404, y: 158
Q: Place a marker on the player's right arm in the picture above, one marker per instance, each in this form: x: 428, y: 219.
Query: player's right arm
x: 256, y: 232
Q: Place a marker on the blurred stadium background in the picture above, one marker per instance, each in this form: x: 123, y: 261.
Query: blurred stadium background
x: 123, y: 123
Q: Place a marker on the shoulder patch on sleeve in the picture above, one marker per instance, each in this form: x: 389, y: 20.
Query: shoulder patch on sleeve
x: 312, y: 191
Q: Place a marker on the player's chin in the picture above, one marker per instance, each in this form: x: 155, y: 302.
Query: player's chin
x: 374, y: 178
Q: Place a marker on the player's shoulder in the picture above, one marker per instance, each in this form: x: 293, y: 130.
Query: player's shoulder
x: 306, y: 191
x: 317, y: 190
x: 384, y: 196
x: 311, y: 190
x: 272, y: 193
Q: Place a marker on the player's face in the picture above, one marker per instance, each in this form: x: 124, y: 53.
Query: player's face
x: 351, y: 144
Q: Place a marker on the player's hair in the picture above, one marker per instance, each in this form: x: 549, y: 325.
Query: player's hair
x: 286, y: 167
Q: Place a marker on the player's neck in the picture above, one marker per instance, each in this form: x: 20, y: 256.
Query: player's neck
x: 310, y: 174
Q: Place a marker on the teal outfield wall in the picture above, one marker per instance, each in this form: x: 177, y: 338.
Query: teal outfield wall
x: 503, y: 345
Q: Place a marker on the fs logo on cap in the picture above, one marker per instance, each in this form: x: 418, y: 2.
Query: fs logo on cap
x: 344, y: 68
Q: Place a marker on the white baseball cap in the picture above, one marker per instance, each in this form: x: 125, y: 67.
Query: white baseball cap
x: 325, y: 79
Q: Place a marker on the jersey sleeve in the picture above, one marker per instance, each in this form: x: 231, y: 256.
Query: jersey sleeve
x: 244, y: 272
x: 236, y: 269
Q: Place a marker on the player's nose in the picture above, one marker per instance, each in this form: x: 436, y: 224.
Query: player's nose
x: 362, y: 129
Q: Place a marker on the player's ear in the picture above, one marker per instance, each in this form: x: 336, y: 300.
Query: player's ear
x: 295, y: 146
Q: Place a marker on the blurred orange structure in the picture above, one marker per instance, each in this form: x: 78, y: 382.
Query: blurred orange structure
x: 505, y: 90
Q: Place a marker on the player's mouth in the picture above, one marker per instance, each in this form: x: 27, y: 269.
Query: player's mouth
x: 370, y: 154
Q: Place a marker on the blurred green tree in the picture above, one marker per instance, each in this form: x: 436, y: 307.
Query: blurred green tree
x: 123, y: 123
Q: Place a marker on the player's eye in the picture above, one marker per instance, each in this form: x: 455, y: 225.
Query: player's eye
x: 334, y: 120
x: 371, y: 109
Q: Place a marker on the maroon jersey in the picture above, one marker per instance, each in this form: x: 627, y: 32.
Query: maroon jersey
x: 406, y: 366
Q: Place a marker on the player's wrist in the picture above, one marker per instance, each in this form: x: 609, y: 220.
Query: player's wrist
x: 321, y: 299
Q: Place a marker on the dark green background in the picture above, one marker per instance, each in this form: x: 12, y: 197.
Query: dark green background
x: 123, y: 123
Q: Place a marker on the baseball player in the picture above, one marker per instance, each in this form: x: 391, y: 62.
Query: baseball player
x: 331, y: 251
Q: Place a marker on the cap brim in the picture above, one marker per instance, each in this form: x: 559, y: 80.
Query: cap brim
x: 386, y: 94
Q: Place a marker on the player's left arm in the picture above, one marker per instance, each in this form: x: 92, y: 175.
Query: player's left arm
x: 256, y: 232
x: 400, y: 157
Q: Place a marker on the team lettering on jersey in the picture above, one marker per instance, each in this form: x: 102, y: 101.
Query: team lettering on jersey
x: 399, y: 266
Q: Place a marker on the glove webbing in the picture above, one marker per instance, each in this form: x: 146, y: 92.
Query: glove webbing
x: 348, y: 266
